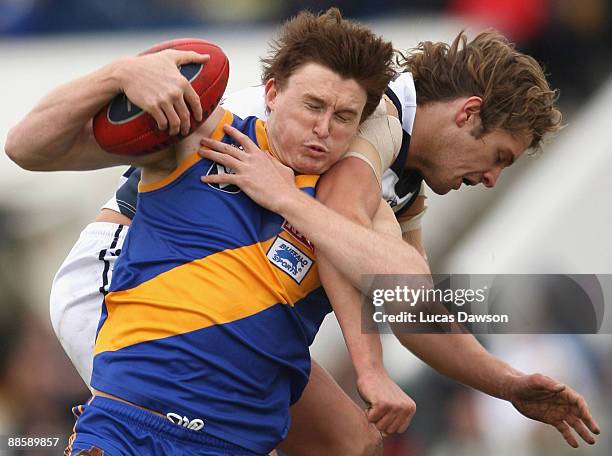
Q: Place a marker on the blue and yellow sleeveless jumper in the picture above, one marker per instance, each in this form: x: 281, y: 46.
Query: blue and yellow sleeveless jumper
x: 212, y: 306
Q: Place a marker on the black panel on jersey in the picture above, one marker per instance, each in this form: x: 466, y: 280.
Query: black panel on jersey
x: 127, y: 194
x: 410, y: 182
x: 398, y: 165
x: 391, y: 94
x: 400, y: 162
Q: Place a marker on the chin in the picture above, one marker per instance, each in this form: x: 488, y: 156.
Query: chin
x: 442, y: 191
x: 312, y: 168
x: 438, y: 188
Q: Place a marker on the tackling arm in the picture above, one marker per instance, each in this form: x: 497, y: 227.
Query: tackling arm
x: 389, y: 407
x: 458, y: 356
x: 462, y: 358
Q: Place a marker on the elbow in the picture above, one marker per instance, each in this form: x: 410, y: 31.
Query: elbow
x: 15, y: 151
x: 10, y: 148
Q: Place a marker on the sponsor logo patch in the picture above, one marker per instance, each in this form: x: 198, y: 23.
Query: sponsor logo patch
x: 289, y: 259
x: 288, y: 227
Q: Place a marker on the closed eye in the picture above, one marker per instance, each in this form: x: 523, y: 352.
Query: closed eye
x: 505, y: 159
x: 313, y: 107
x: 343, y: 119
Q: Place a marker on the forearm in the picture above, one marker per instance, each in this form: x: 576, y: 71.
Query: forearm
x: 58, y: 122
x: 364, y: 349
x: 458, y: 356
x: 353, y: 249
x: 462, y: 358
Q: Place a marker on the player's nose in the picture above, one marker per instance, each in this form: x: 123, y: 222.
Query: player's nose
x: 322, y: 125
x: 489, y: 179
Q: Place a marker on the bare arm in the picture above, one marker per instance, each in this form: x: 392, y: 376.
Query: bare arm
x: 354, y: 249
x: 57, y: 133
x: 414, y: 236
x: 458, y: 356
x: 389, y: 407
x: 462, y: 358
x: 358, y: 203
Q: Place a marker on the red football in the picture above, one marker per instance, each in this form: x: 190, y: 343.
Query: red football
x: 123, y: 128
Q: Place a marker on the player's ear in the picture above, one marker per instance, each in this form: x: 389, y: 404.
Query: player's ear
x: 469, y: 112
x: 271, y: 91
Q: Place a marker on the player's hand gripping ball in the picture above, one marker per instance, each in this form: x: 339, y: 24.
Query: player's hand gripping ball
x: 123, y: 128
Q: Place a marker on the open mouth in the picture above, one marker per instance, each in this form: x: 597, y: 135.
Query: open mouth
x: 467, y: 182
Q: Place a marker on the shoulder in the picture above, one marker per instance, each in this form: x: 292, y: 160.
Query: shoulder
x: 247, y: 102
x: 402, y: 93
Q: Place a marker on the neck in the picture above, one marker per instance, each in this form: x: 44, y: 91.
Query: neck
x: 272, y: 143
x: 188, y: 145
x: 191, y: 143
x: 420, y: 139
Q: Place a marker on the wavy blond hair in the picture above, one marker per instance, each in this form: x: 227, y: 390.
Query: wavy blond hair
x: 515, y: 93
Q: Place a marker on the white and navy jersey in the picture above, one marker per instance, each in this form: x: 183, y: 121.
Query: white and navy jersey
x: 400, y: 188
x: 125, y: 198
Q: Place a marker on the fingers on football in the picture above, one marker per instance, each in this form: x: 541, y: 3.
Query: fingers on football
x: 174, y: 121
x: 160, y: 117
x: 182, y: 57
x: 192, y: 99
x: 183, y: 112
x: 566, y: 432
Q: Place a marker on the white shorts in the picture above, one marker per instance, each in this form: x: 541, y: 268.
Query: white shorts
x: 78, y: 291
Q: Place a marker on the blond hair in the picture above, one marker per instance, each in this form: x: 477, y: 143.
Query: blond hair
x: 515, y: 93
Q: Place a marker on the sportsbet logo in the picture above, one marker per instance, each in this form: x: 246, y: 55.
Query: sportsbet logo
x: 289, y: 259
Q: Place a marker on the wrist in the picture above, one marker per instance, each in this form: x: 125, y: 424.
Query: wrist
x: 113, y: 75
x: 291, y: 202
x: 370, y: 367
x: 367, y: 372
x: 507, y: 385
